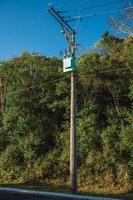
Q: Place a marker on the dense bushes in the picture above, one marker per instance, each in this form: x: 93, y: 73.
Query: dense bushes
x: 34, y: 132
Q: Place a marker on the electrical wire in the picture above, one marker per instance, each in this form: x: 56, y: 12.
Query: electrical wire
x: 63, y: 78
x: 116, y: 70
x: 34, y: 86
x: 90, y: 7
x: 28, y: 25
x: 78, y: 24
x: 69, y: 4
x: 102, y: 5
x: 75, y: 18
x: 107, y: 71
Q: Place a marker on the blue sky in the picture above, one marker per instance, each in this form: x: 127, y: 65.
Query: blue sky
x: 26, y: 27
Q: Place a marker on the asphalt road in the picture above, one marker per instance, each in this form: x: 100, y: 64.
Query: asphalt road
x: 16, y: 196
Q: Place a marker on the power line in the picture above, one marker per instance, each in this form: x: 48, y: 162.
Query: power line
x: 116, y: 70
x: 101, y: 5
x: 91, y: 7
x: 68, y: 4
x: 78, y: 24
x: 37, y: 17
x: 107, y: 71
x: 63, y: 78
x: 27, y: 25
x: 75, y: 18
x: 34, y: 86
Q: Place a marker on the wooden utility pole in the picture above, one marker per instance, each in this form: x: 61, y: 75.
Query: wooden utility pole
x: 73, y: 146
x: 70, y: 37
x: 73, y: 152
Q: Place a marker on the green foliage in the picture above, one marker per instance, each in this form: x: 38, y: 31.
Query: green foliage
x: 34, y: 132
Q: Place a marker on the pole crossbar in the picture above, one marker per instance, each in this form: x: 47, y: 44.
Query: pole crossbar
x: 61, y: 20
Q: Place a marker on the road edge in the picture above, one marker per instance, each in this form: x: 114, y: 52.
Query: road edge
x: 53, y: 194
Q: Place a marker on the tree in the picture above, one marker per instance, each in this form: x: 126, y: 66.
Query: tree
x: 34, y: 132
x: 124, y: 23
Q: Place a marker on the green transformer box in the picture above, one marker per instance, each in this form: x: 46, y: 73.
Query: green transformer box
x: 69, y: 64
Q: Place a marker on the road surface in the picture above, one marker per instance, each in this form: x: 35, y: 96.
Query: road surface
x: 16, y: 196
x: 19, y: 194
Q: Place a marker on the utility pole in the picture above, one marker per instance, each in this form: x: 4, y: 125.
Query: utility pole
x: 73, y: 149
x: 70, y: 37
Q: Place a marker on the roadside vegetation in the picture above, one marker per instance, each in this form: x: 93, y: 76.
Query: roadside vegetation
x: 35, y: 113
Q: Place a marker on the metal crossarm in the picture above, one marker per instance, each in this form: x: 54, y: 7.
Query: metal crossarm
x: 60, y: 19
